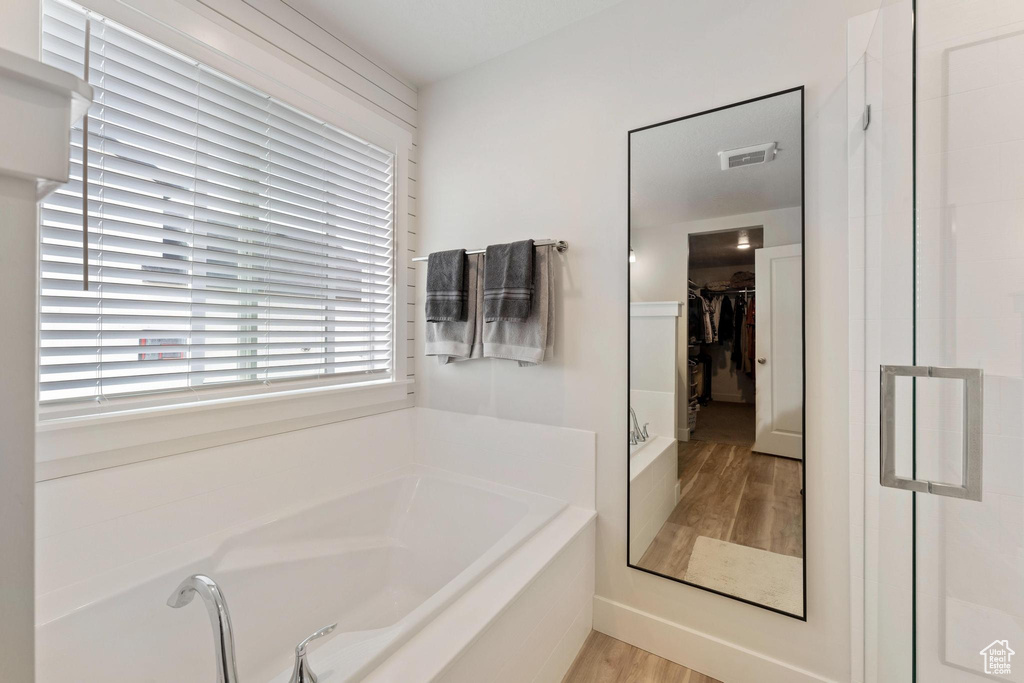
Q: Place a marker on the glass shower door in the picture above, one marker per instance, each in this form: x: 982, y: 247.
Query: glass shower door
x: 944, y: 187
x: 885, y: 239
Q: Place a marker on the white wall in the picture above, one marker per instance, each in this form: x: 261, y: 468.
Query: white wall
x: 19, y: 32
x: 533, y: 144
x: 17, y: 415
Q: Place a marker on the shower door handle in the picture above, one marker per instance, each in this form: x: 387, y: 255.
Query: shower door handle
x: 973, y: 402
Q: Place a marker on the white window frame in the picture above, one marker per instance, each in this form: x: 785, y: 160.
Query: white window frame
x: 133, y: 429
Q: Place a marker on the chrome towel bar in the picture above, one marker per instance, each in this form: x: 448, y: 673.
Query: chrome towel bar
x: 559, y: 245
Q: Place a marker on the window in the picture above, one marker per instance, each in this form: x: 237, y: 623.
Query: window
x: 232, y: 239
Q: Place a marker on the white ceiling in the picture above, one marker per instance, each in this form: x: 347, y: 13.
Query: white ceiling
x: 427, y: 40
x: 676, y: 176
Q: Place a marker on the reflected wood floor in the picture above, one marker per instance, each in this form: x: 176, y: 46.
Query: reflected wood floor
x: 603, y: 659
x: 724, y: 422
x: 731, y: 494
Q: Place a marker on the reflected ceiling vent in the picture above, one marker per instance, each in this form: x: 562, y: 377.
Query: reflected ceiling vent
x: 748, y: 156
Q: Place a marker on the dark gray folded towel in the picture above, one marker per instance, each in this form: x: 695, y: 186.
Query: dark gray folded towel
x: 446, y: 286
x: 508, y: 281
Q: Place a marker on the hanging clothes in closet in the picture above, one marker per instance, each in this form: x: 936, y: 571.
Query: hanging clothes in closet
x: 694, y: 320
x: 709, y: 329
x: 700, y: 319
x: 715, y: 303
x: 749, y: 340
x: 725, y: 324
x: 710, y: 310
x: 715, y: 319
x: 740, y: 318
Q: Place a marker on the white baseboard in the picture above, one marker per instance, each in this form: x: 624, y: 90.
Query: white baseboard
x: 683, y: 434
x: 701, y: 652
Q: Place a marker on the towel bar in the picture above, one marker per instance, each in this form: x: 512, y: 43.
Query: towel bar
x: 560, y: 245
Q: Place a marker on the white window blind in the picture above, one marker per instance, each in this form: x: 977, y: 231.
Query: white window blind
x: 231, y: 238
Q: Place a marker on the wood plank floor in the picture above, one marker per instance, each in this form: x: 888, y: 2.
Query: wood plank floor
x: 603, y: 659
x: 731, y: 494
x: 724, y: 422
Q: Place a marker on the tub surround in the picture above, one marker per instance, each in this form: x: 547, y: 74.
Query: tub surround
x: 654, y: 391
x: 381, y: 559
x: 93, y: 523
x: 525, y: 621
x: 107, y: 540
x: 553, y: 461
x: 653, y: 491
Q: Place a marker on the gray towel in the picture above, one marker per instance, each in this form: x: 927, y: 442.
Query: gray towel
x: 531, y: 341
x: 508, y: 281
x: 446, y: 286
x: 461, y: 340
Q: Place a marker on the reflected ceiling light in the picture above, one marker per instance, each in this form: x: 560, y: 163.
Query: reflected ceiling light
x: 744, y: 241
x: 632, y: 255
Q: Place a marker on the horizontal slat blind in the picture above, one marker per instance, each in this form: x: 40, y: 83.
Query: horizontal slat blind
x: 231, y: 238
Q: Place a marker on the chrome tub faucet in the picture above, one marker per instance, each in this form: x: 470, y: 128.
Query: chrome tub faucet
x: 220, y: 619
x: 637, y: 434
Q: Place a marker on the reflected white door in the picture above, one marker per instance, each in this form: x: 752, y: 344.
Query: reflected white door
x: 778, y: 351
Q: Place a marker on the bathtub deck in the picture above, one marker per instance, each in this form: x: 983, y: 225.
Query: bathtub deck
x: 604, y: 659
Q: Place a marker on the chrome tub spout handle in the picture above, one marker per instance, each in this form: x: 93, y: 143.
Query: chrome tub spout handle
x: 301, y: 673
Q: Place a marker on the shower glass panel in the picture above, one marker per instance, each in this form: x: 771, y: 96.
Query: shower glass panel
x: 942, y: 218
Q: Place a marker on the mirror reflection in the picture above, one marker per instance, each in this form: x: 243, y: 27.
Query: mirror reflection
x: 716, y: 361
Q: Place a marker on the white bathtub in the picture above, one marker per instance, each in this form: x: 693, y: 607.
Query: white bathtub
x: 382, y: 560
x: 653, y: 491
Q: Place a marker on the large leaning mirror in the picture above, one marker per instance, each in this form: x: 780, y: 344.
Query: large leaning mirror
x: 716, y: 354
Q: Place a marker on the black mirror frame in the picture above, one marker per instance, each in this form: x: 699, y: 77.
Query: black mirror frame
x: 803, y: 336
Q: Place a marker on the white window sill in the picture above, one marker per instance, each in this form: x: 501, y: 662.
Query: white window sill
x: 73, y: 445
x: 55, y: 417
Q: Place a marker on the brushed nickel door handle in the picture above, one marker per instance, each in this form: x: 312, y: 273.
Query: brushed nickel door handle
x: 973, y: 402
